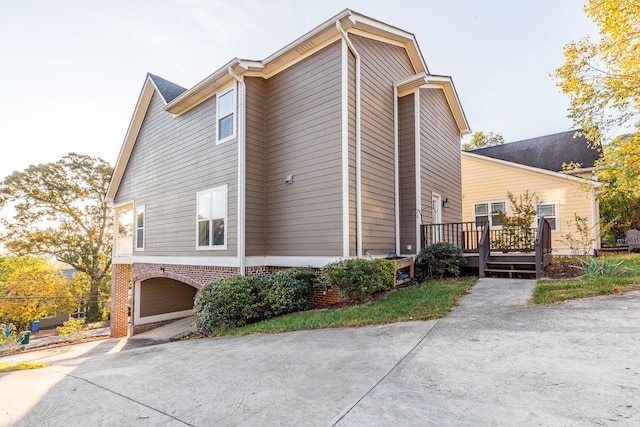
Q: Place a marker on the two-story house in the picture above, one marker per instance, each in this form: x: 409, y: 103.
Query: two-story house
x: 327, y: 149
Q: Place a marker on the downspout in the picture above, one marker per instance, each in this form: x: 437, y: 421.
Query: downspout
x: 242, y: 165
x: 345, y: 36
x: 396, y: 183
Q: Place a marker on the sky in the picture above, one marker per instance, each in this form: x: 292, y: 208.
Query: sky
x: 72, y: 70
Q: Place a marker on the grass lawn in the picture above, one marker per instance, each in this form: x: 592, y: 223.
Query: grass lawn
x: 422, y: 301
x: 626, y: 279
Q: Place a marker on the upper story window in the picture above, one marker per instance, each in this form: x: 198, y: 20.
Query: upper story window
x: 140, y: 224
x: 212, y: 219
x: 226, y: 115
x: 549, y: 211
x: 489, y: 211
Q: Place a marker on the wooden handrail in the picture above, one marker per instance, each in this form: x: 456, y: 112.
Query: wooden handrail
x: 484, y: 250
x: 542, y: 245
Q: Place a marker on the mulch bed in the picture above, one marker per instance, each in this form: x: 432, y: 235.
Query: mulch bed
x: 562, y: 270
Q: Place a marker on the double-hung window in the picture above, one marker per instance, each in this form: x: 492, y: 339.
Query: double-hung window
x: 489, y: 211
x: 550, y: 212
x: 140, y: 224
x: 212, y: 218
x: 226, y: 115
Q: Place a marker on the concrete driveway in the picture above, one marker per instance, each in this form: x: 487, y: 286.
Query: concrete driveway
x: 492, y: 361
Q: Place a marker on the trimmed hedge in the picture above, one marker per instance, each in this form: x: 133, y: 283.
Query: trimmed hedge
x: 358, y: 278
x: 237, y: 300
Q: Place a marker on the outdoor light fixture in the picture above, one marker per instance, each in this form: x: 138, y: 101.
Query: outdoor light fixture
x: 445, y: 203
x: 288, y: 179
x: 161, y: 270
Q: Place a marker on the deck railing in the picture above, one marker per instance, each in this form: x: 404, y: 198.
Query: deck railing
x: 513, y: 239
x: 477, y: 238
x: 464, y: 235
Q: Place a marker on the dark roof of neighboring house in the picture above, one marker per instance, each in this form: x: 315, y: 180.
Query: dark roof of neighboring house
x: 546, y: 152
x: 168, y: 90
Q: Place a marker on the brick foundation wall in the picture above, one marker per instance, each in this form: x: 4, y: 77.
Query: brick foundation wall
x: 120, y: 280
x: 320, y: 299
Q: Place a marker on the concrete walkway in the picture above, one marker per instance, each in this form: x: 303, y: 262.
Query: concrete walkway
x: 492, y: 361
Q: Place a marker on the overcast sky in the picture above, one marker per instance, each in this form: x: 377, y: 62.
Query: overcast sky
x: 71, y: 71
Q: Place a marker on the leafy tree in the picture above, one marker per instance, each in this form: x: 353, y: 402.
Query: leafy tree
x: 517, y: 226
x: 602, y: 78
x: 481, y: 140
x: 23, y: 280
x: 59, y: 210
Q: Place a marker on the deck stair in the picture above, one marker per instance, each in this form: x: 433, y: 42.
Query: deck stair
x: 512, y: 265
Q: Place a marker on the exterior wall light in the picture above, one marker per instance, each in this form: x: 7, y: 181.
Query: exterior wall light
x: 445, y: 203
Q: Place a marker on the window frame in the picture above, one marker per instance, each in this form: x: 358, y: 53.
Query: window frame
x: 137, y: 211
x: 210, y: 220
x: 556, y: 208
x: 489, y: 215
x: 234, y: 113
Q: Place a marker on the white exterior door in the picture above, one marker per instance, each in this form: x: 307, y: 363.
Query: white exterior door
x: 436, y: 212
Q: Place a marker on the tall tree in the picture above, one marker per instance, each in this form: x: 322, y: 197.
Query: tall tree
x: 481, y: 140
x: 59, y: 210
x: 31, y: 288
x: 602, y: 78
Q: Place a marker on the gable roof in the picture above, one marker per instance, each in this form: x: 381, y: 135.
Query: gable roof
x: 179, y: 100
x: 546, y: 152
x: 169, y: 91
x: 531, y: 169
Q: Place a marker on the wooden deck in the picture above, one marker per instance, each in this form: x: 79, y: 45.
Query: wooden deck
x: 520, y: 253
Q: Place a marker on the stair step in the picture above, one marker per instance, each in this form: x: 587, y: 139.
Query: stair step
x: 504, y: 270
x: 511, y: 262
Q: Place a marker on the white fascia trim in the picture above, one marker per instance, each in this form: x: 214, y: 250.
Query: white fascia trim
x: 396, y: 167
x: 345, y: 149
x: 204, y: 90
x: 209, y: 261
x: 418, y: 142
x: 290, y: 261
x: 345, y: 37
x: 558, y: 175
x: 242, y: 166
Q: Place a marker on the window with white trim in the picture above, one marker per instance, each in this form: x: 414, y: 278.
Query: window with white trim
x: 140, y: 224
x: 550, y: 212
x: 489, y: 211
x: 212, y: 218
x: 226, y: 115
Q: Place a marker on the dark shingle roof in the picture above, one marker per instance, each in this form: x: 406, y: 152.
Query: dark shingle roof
x: 168, y: 90
x: 546, y: 152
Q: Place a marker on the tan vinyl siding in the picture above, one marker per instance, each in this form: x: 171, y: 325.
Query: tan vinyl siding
x: 382, y: 66
x: 255, y: 205
x: 303, y: 139
x: 407, y: 168
x: 485, y: 180
x: 163, y: 295
x: 440, y: 155
x: 173, y: 159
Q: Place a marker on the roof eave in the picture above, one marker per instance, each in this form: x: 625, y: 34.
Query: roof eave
x: 595, y: 184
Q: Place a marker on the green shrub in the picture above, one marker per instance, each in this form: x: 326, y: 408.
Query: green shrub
x: 73, y: 329
x: 439, y: 259
x: 288, y: 291
x: 237, y: 300
x: 592, y: 267
x: 359, y: 278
